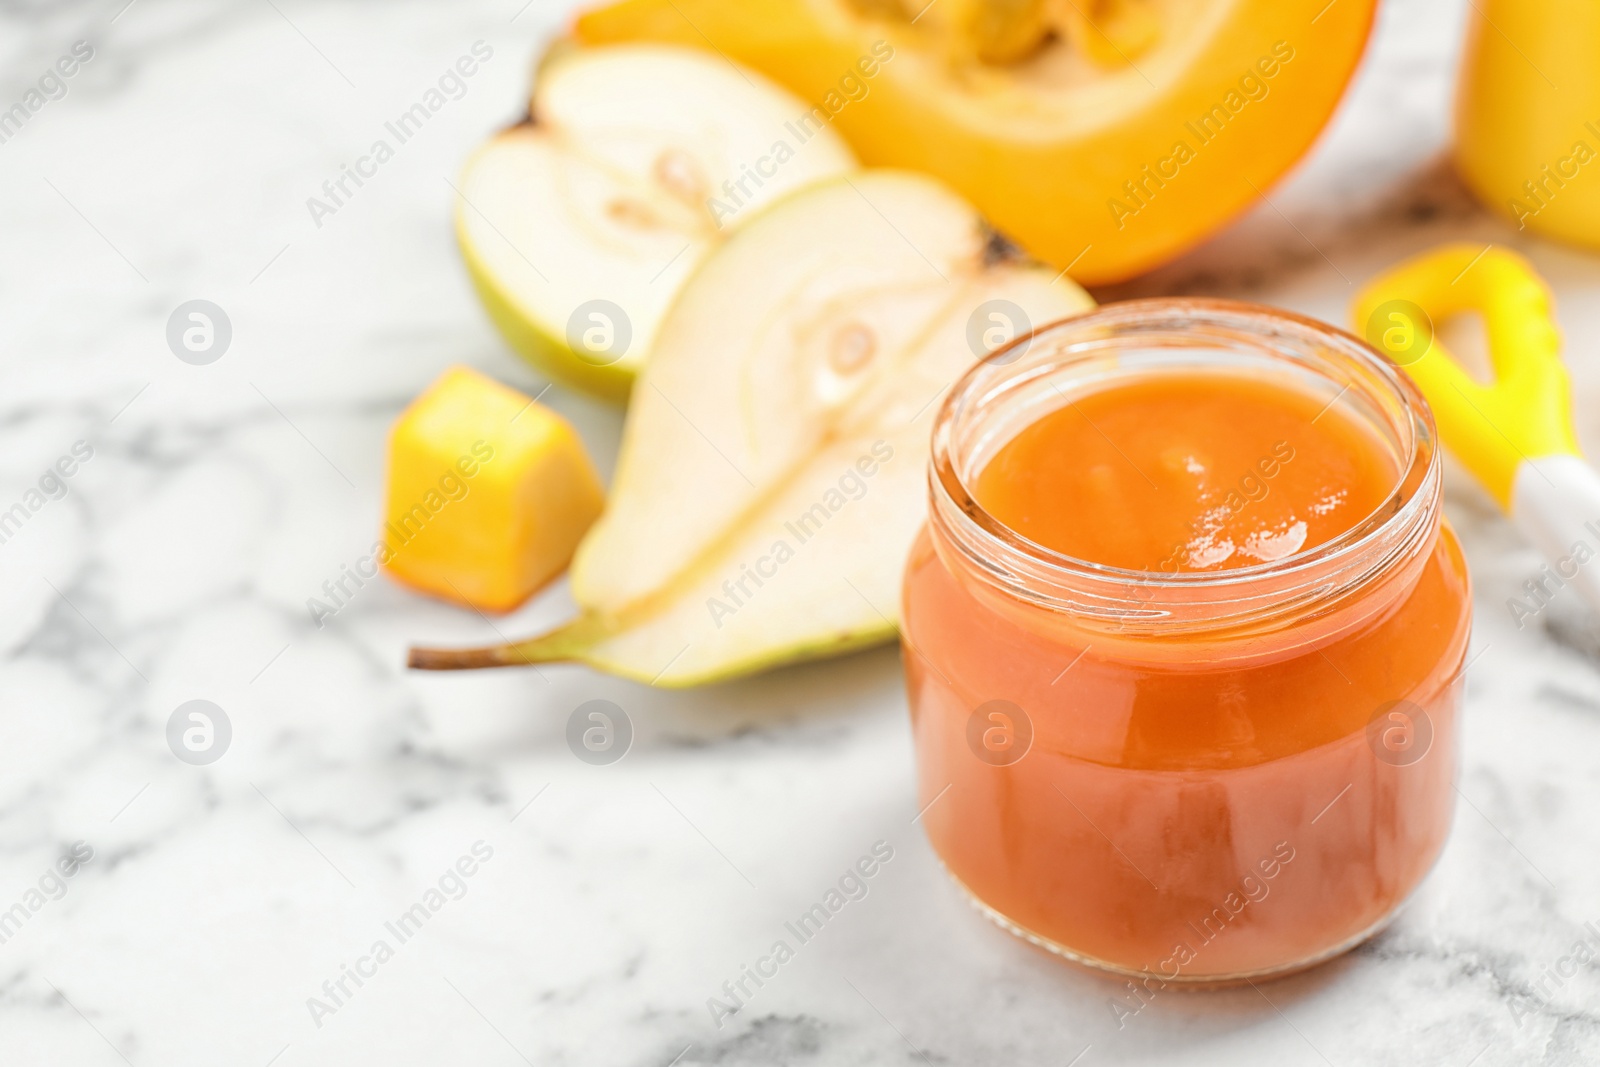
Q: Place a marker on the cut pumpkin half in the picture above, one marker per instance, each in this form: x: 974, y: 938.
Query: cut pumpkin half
x: 1107, y: 136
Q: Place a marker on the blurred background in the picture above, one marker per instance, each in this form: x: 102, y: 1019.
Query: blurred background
x: 606, y: 903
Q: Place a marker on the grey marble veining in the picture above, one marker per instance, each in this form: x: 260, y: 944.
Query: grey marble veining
x: 606, y: 904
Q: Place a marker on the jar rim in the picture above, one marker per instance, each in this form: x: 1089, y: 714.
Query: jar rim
x: 1036, y: 572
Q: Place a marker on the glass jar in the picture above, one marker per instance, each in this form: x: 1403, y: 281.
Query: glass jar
x: 1186, y: 777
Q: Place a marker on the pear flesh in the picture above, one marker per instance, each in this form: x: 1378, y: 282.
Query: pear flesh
x: 773, y: 470
x: 636, y: 161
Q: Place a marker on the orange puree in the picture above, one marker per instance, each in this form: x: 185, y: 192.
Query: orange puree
x: 1188, y: 471
x: 1163, y: 794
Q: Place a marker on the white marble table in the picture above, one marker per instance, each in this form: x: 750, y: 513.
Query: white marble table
x: 614, y: 900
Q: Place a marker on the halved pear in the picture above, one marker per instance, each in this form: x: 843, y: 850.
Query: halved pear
x: 579, y: 226
x: 773, y: 470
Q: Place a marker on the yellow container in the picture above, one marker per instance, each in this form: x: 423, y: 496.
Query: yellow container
x: 1528, y: 114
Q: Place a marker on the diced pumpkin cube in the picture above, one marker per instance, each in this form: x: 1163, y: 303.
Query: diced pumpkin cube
x: 489, y: 493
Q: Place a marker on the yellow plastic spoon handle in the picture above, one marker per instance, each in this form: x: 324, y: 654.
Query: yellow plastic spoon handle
x: 1526, y: 412
x: 1514, y: 434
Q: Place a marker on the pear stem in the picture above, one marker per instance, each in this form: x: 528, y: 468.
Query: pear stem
x: 561, y: 644
x: 463, y: 659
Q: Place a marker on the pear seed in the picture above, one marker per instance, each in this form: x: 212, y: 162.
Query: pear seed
x: 632, y: 213
x: 678, y: 173
x: 853, y: 346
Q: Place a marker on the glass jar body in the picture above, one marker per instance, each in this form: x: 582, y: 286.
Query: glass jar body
x: 1188, y: 777
x: 1197, y: 823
